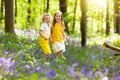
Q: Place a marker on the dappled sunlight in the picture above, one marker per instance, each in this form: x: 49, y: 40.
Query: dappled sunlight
x: 99, y: 3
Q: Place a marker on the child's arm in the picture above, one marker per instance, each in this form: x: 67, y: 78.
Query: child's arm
x: 65, y: 36
x: 51, y: 40
x: 42, y: 34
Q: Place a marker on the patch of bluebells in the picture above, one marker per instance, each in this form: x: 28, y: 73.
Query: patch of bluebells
x: 7, y: 65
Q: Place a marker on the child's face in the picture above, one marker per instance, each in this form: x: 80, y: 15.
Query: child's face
x: 47, y: 19
x: 58, y: 17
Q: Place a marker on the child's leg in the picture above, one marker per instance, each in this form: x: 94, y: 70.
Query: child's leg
x: 47, y: 54
x: 60, y: 53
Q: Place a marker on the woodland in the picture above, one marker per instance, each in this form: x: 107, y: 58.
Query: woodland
x: 92, y: 50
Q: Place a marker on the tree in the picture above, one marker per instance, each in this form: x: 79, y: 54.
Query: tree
x: 47, y: 7
x: 15, y: 10
x: 107, y: 18
x: 73, y: 27
x: 29, y: 11
x: 9, y: 17
x: 1, y: 15
x: 117, y: 16
x: 63, y: 9
x: 83, y: 23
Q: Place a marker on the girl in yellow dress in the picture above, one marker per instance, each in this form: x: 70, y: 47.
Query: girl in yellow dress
x: 45, y: 32
x: 58, y: 34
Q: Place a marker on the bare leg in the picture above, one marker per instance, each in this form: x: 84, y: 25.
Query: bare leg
x: 46, y: 54
x: 60, y: 53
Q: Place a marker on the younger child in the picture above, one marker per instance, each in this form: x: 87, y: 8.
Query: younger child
x: 44, y: 32
x: 58, y: 34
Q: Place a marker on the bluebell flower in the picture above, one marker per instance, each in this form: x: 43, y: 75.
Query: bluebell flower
x: 37, y: 50
x: 72, y: 72
x: 98, y: 73
x: 7, y: 52
x: 84, y: 71
x: 101, y: 68
x: 40, y: 69
x: 23, y: 57
x: 77, y: 77
x: 52, y: 62
x: 106, y: 71
x: 89, y: 74
x: 51, y: 73
x: 117, y: 77
x: 74, y: 64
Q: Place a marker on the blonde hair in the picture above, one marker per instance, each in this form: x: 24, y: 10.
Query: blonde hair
x: 46, y: 14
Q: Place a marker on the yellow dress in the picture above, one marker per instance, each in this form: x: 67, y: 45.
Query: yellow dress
x: 57, y: 36
x: 44, y: 44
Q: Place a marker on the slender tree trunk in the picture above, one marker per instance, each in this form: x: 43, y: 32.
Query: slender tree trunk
x: 47, y: 8
x: 9, y: 17
x: 63, y: 8
x: 73, y: 28
x: 83, y: 22
x: 44, y: 7
x: 15, y: 11
x: 117, y: 16
x: 1, y: 14
x: 29, y: 12
x: 107, y: 18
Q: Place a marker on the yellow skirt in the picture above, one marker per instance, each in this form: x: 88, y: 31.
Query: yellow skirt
x: 45, y: 46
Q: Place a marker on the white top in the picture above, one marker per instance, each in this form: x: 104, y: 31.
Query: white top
x: 46, y: 29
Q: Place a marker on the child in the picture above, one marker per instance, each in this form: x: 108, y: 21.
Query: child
x: 58, y: 34
x: 45, y: 34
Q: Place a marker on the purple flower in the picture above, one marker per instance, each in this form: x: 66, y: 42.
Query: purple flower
x: 77, y: 77
x: 117, y: 77
x: 106, y: 71
x: 101, y: 68
x: 7, y: 52
x: 74, y: 64
x: 37, y: 50
x: 8, y: 64
x: 40, y: 69
x: 71, y: 70
x: 98, y: 73
x: 89, y: 74
x: 84, y: 71
x: 51, y: 73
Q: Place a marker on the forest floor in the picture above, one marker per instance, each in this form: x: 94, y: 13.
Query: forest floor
x: 97, y: 53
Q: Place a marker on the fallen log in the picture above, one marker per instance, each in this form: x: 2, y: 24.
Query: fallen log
x: 112, y: 47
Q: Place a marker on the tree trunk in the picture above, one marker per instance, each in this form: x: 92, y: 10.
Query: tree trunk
x: 15, y: 11
x: 73, y: 27
x: 47, y: 8
x: 107, y: 18
x: 63, y: 9
x: 1, y: 14
x: 117, y: 16
x: 9, y: 17
x: 83, y: 22
x: 29, y: 12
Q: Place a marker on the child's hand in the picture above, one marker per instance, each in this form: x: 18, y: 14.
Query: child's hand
x: 66, y: 38
x: 45, y: 38
x: 51, y: 40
